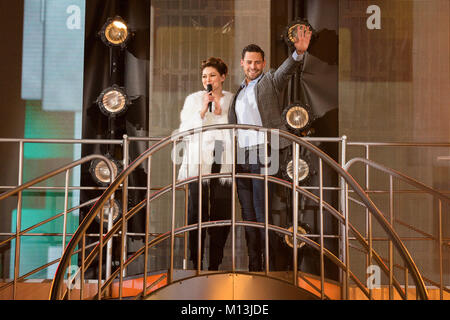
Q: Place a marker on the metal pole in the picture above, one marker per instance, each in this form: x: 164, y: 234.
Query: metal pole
x: 346, y: 250
x: 233, y: 202
x: 342, y: 208
x: 295, y: 211
x: 109, y: 243
x: 66, y: 199
x: 123, y: 238
x: 185, y: 235
x: 186, y: 206
x: 391, y: 253
x: 266, y: 206
x: 147, y: 227
x: 441, y: 276
x: 200, y: 182
x: 322, y: 268
x: 172, y: 226
x: 406, y: 282
x: 18, y: 222
x: 368, y: 223
x: 100, y: 254
x: 83, y: 256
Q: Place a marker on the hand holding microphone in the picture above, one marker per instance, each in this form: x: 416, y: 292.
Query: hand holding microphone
x: 209, y: 90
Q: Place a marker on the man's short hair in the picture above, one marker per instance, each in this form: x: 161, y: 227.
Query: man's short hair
x: 252, y: 48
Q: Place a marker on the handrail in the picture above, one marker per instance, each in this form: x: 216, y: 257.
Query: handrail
x: 57, y: 171
x: 59, y: 276
x: 399, y: 175
x: 43, y: 177
x: 424, y: 188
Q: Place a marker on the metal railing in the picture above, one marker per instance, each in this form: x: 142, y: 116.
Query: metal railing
x: 442, y: 198
x: 20, y: 233
x: 61, y: 289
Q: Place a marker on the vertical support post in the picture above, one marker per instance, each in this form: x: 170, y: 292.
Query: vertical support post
x: 342, y: 195
x: 18, y: 222
x: 109, y: 243
x: 266, y: 206
x: 123, y: 238
x: 66, y: 200
x: 406, y: 281
x: 295, y: 156
x: 63, y: 245
x: 83, y: 268
x: 233, y: 202
x: 441, y: 276
x: 200, y: 213
x: 368, y: 222
x: 391, y: 249
x: 100, y: 254
x: 147, y: 225
x: 185, y: 235
x: 347, y: 254
x: 322, y: 267
x: 172, y: 224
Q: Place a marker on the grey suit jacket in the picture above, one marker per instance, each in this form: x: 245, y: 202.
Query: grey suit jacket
x: 268, y: 96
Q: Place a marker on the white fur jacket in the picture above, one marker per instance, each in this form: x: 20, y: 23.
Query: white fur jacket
x: 189, y: 119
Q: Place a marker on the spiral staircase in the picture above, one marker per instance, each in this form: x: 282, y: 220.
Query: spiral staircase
x: 402, y: 278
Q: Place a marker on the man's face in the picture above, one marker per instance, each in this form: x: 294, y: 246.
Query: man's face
x: 253, y: 65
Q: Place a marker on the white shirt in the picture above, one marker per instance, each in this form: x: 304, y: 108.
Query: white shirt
x: 247, y: 111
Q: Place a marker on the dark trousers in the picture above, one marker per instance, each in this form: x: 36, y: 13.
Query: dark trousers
x: 216, y: 205
x: 252, y: 199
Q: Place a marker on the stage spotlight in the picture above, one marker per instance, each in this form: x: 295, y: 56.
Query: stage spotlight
x: 297, y: 117
x: 100, y: 171
x: 302, y: 168
x: 115, y: 32
x: 116, y: 212
x: 290, y: 33
x: 113, y: 101
x: 303, y: 228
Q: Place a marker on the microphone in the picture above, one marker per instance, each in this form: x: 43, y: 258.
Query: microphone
x: 209, y: 89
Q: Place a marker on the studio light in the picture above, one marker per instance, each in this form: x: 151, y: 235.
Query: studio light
x: 297, y: 117
x: 115, y: 32
x: 100, y: 171
x: 303, y: 228
x: 302, y: 169
x: 113, y: 101
x: 116, y: 212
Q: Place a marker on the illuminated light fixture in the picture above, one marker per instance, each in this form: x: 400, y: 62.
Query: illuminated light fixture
x: 115, y: 32
x: 290, y: 33
x: 116, y: 212
x: 302, y: 168
x: 301, y: 229
x: 100, y: 171
x: 113, y: 101
x: 297, y: 117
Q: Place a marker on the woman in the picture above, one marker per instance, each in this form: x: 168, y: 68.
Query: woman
x: 215, y: 157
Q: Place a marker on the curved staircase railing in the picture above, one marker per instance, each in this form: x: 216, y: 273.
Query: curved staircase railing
x: 19, y: 233
x: 61, y: 288
x: 442, y: 198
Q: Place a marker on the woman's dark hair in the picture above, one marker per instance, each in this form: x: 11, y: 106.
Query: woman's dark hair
x: 216, y: 63
x: 252, y: 48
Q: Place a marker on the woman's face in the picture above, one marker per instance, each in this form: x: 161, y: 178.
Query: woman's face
x: 210, y: 75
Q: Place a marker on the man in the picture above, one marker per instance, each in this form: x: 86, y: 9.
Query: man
x: 258, y: 102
